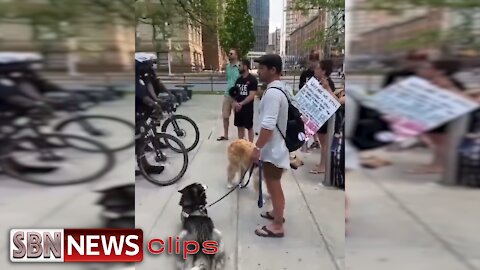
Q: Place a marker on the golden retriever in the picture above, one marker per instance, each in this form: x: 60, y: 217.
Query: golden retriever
x: 239, y: 162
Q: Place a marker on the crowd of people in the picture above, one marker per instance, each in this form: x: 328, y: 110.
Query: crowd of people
x: 274, y: 105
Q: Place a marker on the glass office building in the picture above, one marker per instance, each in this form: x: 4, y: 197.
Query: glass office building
x: 260, y: 12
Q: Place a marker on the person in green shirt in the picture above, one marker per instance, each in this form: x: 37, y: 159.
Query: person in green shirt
x: 232, y: 72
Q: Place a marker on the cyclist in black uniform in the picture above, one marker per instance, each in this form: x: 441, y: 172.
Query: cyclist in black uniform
x: 145, y: 106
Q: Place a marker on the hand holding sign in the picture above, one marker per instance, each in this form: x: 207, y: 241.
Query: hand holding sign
x: 316, y: 104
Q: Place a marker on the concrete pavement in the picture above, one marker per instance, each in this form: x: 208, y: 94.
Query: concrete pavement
x: 24, y: 205
x: 402, y: 221
x: 315, y: 215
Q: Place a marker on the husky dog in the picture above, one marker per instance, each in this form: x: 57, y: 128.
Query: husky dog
x: 197, y: 226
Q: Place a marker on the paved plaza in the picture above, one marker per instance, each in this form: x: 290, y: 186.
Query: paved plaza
x: 315, y: 215
x: 26, y: 205
x: 314, y: 228
x: 403, y: 221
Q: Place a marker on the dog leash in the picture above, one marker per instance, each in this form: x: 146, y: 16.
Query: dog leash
x: 240, y: 185
x: 249, y: 176
x: 260, y: 192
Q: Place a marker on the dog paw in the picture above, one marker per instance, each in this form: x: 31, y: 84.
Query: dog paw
x: 229, y: 185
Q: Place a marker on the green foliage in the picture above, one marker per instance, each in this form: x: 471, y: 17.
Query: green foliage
x: 313, y: 4
x: 194, y: 12
x: 237, y: 28
x: 62, y: 16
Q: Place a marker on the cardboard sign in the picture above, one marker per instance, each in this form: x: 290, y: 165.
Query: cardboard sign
x: 415, y: 106
x: 316, y: 104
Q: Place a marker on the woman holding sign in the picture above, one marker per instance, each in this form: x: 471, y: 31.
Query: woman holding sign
x: 439, y: 73
x: 322, y: 73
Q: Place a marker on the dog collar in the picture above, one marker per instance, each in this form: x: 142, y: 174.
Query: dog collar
x: 197, y: 213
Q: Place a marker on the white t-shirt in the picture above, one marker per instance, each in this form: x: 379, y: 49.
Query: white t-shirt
x: 273, y: 112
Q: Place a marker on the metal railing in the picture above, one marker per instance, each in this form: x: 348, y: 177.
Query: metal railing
x: 217, y: 82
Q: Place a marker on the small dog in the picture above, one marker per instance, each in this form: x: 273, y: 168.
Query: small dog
x: 239, y: 161
x: 199, y: 227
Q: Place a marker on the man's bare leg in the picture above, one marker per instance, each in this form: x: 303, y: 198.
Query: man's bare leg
x: 226, y: 124
x: 241, y: 133
x: 251, y: 135
x: 277, y: 197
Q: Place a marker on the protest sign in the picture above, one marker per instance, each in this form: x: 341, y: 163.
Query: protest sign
x: 414, y: 106
x: 316, y: 104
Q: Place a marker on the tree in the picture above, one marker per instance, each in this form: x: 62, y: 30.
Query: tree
x: 461, y: 33
x: 334, y: 33
x: 237, y: 29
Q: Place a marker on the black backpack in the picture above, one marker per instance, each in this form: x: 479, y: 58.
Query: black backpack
x: 295, y: 135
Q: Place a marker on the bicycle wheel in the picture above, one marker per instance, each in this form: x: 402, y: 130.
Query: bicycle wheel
x: 174, y: 164
x: 48, y: 160
x: 181, y: 126
x: 115, y: 133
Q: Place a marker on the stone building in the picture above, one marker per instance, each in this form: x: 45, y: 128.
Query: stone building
x: 91, y: 43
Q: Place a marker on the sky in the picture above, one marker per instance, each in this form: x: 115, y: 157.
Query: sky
x: 276, y: 13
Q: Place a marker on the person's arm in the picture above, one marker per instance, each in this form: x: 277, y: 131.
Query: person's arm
x: 151, y: 91
x: 303, y: 81
x: 270, y: 115
x: 324, y: 82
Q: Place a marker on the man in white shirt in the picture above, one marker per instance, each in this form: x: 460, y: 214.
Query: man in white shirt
x: 270, y: 147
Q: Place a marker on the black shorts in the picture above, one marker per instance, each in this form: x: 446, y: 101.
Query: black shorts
x: 244, y: 118
x: 323, y: 129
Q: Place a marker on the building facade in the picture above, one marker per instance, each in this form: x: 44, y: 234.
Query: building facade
x: 260, y: 12
x: 295, y: 18
x: 185, y: 45
x: 302, y: 38
x: 274, y: 41
x: 96, y: 46
x: 384, y: 40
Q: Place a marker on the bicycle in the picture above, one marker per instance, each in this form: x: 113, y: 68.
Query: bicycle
x: 153, y: 159
x: 171, y: 125
x: 21, y: 69
x: 26, y: 153
x: 169, y: 103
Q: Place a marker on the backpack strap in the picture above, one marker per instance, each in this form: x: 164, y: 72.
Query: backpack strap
x: 288, y: 100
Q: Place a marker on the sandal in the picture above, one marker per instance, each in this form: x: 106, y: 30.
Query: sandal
x: 222, y: 138
x: 269, y: 216
x: 317, y: 170
x: 425, y: 170
x: 269, y: 233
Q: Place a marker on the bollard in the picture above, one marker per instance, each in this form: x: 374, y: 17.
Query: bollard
x: 456, y: 131
x: 327, y: 181
x: 184, y: 79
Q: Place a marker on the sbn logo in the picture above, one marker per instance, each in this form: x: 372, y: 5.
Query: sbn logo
x: 76, y: 245
x: 36, y: 245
